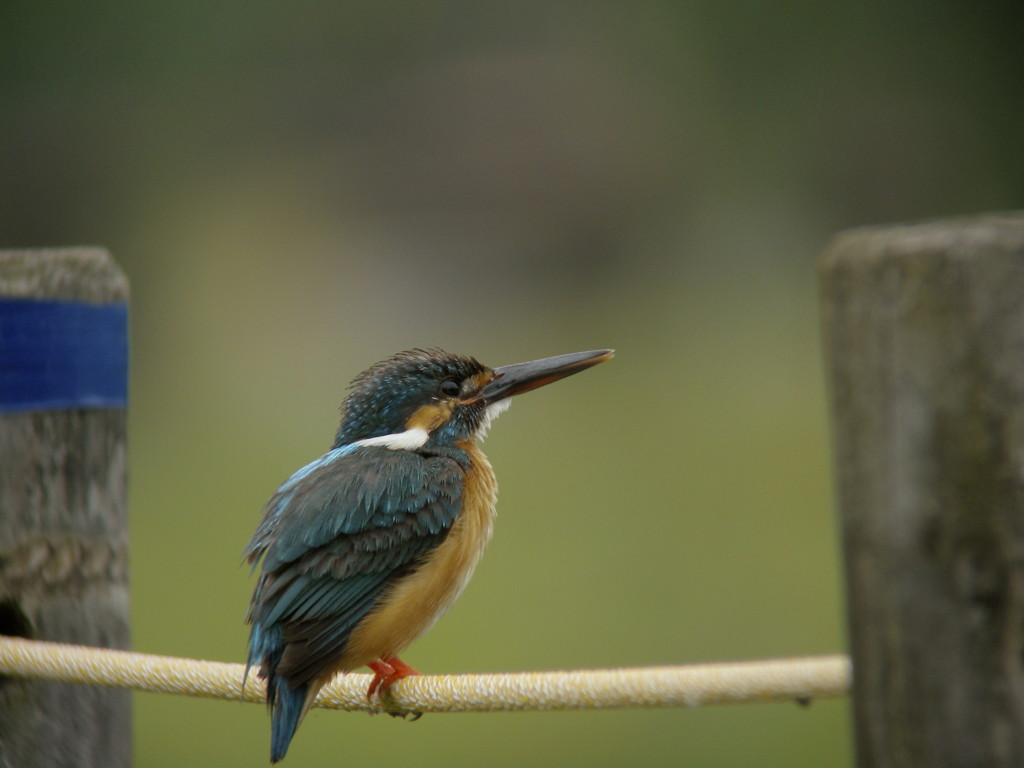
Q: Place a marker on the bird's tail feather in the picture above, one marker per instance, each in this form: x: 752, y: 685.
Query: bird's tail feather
x: 288, y: 705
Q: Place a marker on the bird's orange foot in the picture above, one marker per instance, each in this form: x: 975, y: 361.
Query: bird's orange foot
x: 386, y: 671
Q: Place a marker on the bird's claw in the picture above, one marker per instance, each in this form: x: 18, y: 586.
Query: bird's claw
x: 409, y: 715
x: 386, y: 672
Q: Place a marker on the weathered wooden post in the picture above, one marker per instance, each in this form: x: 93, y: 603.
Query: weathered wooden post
x: 63, y: 519
x: 924, y: 331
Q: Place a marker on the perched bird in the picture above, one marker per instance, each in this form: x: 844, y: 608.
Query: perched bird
x: 364, y: 548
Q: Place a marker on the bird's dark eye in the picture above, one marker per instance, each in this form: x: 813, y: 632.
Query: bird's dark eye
x: 450, y: 388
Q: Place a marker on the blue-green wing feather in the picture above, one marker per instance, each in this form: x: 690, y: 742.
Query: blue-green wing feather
x: 333, y: 537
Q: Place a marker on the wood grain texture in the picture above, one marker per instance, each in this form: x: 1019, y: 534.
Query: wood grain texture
x: 924, y: 336
x: 63, y: 540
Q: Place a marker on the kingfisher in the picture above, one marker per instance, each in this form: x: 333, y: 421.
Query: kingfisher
x: 363, y: 549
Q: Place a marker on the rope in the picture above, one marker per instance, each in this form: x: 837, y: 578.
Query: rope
x: 684, y: 686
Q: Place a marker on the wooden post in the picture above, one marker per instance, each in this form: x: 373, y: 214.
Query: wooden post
x: 924, y: 334
x: 63, y: 519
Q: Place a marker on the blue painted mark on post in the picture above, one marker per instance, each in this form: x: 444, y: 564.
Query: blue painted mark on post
x: 62, y: 354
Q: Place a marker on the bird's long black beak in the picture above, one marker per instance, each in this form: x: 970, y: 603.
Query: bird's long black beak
x: 522, y: 377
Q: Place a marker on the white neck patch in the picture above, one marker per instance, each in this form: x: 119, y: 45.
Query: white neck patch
x: 410, y: 440
x: 416, y: 438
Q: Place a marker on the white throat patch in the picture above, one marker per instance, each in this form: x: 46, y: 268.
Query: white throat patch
x: 492, y: 412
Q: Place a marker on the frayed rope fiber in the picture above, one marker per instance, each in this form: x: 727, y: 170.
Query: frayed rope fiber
x: 696, y: 685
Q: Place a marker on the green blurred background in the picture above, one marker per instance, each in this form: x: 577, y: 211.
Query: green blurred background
x: 299, y: 189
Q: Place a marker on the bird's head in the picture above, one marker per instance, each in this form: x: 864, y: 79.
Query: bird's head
x: 432, y: 396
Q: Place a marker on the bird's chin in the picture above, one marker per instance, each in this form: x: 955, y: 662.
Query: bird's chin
x: 491, y: 412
